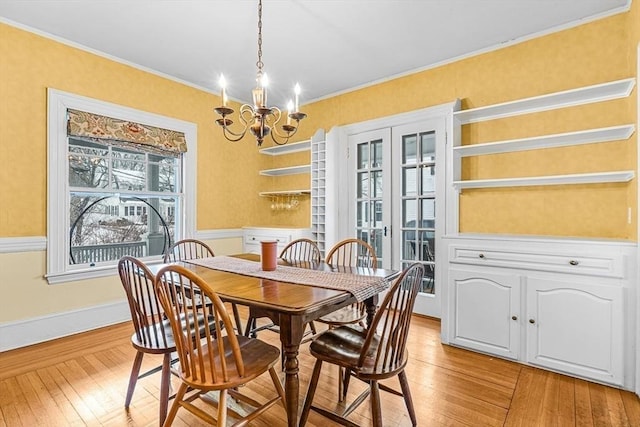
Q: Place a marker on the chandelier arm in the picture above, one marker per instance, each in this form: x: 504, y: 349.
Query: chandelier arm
x: 235, y: 137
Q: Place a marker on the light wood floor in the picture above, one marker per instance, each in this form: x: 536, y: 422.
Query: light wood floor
x: 81, y: 380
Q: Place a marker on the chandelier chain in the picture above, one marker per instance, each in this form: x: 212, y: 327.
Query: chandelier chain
x: 259, y: 64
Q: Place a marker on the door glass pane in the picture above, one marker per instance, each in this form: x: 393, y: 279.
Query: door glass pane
x: 376, y: 153
x: 409, y: 183
x: 376, y: 243
x: 363, y: 184
x: 377, y: 183
x: 363, y: 156
x: 409, y: 149
x: 427, y: 245
x: 428, y: 179
x: 409, y: 245
x: 409, y: 212
x: 428, y: 143
x: 376, y: 215
x: 428, y: 213
x: 363, y: 214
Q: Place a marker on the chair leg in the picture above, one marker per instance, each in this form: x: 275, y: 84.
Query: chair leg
x: 406, y: 393
x: 311, y: 391
x: 133, y: 378
x: 345, y: 383
x: 164, y: 386
x: 236, y: 317
x: 251, y: 324
x: 376, y: 410
x: 278, y: 385
x: 312, y: 326
x: 222, y: 408
x: 176, y: 404
x: 341, y: 391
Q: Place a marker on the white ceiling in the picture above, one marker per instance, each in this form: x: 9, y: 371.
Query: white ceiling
x: 329, y: 46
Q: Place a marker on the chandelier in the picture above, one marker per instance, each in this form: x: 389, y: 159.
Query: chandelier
x: 260, y: 119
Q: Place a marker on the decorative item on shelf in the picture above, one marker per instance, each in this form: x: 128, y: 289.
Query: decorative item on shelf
x: 259, y: 118
x: 280, y: 202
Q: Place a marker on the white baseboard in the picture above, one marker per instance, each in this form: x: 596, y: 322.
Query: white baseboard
x: 39, y: 329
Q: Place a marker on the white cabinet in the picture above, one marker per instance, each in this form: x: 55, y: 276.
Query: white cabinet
x: 485, y: 310
x: 252, y: 236
x: 555, y: 304
x: 576, y: 328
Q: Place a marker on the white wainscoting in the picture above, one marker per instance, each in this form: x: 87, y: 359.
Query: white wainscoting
x: 26, y: 332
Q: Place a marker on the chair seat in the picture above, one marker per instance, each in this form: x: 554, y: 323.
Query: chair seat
x: 157, y: 343
x: 342, y: 346
x: 345, y: 316
x: 257, y: 355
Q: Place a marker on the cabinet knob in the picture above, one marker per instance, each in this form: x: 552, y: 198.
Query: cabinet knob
x: 514, y: 317
x: 532, y: 321
x: 481, y: 256
x: 574, y: 262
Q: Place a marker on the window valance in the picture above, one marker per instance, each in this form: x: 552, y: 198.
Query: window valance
x: 100, y: 128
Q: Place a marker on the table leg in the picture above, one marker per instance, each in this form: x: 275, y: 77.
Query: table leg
x: 371, y: 306
x: 290, y: 337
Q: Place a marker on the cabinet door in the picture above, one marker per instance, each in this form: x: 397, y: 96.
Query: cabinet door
x: 485, y: 310
x: 576, y: 328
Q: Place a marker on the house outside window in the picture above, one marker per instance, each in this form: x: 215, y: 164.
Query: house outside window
x: 112, y: 195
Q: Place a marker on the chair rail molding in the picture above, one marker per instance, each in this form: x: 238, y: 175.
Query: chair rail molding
x: 22, y: 244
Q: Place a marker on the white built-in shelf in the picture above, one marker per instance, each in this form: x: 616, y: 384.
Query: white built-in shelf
x: 582, y: 178
x: 590, y: 136
x: 294, y: 147
x: 291, y: 170
x: 285, y: 193
x: 580, y: 96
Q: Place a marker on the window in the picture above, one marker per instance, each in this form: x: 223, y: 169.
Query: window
x: 112, y: 198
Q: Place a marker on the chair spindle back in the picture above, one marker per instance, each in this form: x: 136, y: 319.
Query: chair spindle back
x: 207, y: 357
x: 301, y: 250
x: 352, y: 253
x: 146, y: 311
x: 385, y: 344
x: 188, y: 249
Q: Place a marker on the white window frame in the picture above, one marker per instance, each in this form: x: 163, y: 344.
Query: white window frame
x: 58, y: 102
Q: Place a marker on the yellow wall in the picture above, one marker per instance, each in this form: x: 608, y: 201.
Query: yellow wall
x: 228, y: 183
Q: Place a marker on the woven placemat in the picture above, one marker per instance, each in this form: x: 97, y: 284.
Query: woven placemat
x: 362, y: 287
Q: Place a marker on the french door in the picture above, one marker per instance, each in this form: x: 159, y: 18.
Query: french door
x: 398, y: 204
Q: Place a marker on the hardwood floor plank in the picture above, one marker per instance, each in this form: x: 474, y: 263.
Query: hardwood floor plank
x: 584, y: 411
x: 69, y: 413
x: 631, y: 406
x: 615, y: 405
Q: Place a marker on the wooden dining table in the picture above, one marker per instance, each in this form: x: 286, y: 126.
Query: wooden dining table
x: 289, y: 305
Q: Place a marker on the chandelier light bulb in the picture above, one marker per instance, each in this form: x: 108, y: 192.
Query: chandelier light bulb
x: 296, y: 90
x: 289, y: 111
x: 223, y: 85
